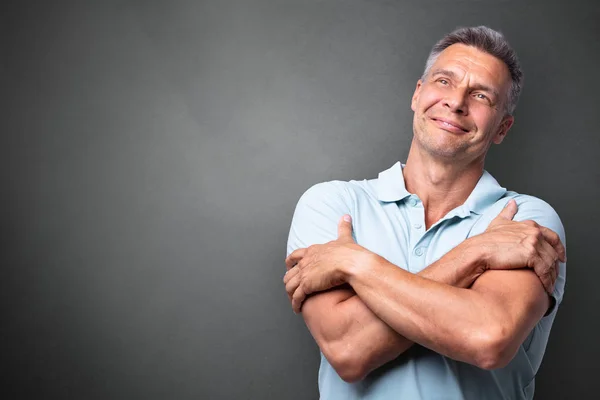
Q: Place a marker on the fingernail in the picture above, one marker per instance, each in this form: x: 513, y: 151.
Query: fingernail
x: 347, y: 218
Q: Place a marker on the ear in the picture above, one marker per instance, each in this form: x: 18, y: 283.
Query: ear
x: 507, y: 122
x: 413, y: 103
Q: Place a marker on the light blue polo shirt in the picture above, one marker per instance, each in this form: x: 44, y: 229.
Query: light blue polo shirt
x: 390, y: 221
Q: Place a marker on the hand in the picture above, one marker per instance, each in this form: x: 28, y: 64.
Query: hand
x: 509, y: 244
x: 321, y: 267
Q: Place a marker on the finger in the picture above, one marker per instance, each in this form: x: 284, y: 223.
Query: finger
x: 509, y: 210
x: 543, y: 273
x: 294, y: 257
x: 290, y: 274
x: 345, y: 228
x: 557, y: 269
x: 545, y: 265
x: 553, y: 257
x: 550, y: 258
x: 552, y: 237
x: 292, y: 285
x: 297, y: 299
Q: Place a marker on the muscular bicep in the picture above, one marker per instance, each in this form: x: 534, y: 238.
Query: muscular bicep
x: 348, y: 333
x: 319, y: 309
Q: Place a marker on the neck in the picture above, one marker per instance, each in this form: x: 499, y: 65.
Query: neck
x: 442, y: 185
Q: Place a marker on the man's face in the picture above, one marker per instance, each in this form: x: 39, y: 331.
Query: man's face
x: 460, y: 107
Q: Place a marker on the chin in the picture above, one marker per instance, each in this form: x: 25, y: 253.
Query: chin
x: 446, y: 154
x: 447, y: 149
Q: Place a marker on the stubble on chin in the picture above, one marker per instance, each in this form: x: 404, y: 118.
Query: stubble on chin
x: 438, y: 143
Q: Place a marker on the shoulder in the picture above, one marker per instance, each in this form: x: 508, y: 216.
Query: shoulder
x: 529, y: 208
x: 338, y: 193
x: 534, y: 209
x: 324, y: 191
x: 538, y: 210
x: 320, y: 208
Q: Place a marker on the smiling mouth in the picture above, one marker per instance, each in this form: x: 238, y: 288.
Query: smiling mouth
x: 449, y: 126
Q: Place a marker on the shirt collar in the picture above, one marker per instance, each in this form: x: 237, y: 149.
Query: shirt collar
x: 486, y: 192
x: 391, y: 187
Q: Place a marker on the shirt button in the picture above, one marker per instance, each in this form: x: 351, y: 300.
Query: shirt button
x: 419, y: 251
x: 417, y: 226
x: 412, y: 202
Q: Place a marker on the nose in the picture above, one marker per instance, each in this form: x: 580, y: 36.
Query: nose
x: 456, y: 101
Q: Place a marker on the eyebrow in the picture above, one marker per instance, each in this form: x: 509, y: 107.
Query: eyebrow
x: 476, y: 86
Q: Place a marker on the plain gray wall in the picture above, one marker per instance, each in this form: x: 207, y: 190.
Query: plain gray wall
x: 153, y: 153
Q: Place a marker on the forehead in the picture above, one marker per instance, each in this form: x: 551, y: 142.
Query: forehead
x: 476, y: 65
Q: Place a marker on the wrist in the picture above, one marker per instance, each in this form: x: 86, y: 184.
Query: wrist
x: 360, y: 262
x: 473, y: 258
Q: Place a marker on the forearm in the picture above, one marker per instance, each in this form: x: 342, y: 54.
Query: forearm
x: 436, y: 313
x: 354, y: 336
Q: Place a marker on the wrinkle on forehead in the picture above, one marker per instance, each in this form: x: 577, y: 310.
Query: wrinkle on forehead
x: 473, y: 65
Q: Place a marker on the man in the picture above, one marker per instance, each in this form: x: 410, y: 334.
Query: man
x: 432, y: 281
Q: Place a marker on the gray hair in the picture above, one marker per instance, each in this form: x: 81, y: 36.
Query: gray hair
x: 491, y: 42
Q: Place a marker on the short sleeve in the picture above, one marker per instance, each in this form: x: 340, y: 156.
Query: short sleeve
x: 532, y: 208
x: 317, y: 215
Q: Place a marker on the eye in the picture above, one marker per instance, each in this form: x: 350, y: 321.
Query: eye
x: 481, y: 96
x: 443, y: 81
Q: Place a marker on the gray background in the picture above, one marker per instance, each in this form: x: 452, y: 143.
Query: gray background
x: 153, y: 152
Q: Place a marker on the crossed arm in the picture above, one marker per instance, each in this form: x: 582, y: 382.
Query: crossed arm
x: 472, y: 305
x: 353, y: 338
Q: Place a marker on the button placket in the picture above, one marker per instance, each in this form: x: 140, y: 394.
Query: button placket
x: 418, y: 235
x: 416, y: 214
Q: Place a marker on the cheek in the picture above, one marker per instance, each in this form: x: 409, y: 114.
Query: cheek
x: 428, y: 99
x: 484, y: 118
